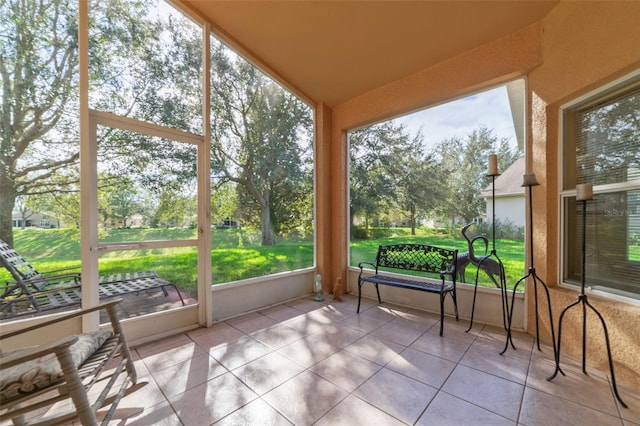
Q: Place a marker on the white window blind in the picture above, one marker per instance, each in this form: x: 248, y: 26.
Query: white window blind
x: 602, y: 147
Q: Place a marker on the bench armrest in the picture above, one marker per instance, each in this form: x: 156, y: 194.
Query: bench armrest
x: 361, y: 264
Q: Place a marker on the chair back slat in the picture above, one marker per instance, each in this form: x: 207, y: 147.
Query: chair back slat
x: 18, y: 267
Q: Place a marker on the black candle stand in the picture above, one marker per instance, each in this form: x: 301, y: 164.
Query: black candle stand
x: 492, y: 254
x: 530, y: 181
x: 582, y: 299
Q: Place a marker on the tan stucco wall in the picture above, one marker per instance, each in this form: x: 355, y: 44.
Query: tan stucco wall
x: 585, y: 46
x: 577, y: 47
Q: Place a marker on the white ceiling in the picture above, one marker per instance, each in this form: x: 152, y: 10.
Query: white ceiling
x: 333, y: 51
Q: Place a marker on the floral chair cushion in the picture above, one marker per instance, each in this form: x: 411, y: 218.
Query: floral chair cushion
x: 39, y: 373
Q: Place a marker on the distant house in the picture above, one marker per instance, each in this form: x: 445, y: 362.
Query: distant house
x: 510, y: 196
x: 38, y: 220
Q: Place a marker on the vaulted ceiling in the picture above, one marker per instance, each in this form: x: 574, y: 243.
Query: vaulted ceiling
x: 333, y: 51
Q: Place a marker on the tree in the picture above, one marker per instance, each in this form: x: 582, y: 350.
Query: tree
x: 465, y: 164
x: 421, y: 186
x: 174, y: 209
x: 139, y: 67
x: 379, y: 162
x: 38, y: 60
x: 261, y: 140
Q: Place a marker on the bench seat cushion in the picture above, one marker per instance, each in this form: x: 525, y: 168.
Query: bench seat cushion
x: 407, y: 283
x: 41, y: 372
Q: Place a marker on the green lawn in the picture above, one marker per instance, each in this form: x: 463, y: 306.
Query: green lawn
x: 237, y: 253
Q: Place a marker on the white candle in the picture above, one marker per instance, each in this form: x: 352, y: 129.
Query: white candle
x: 584, y: 191
x: 493, y: 165
x: 529, y: 179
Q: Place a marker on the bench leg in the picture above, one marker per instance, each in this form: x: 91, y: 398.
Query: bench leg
x: 359, y: 294
x: 455, y: 303
x: 441, y: 313
x: 378, y: 292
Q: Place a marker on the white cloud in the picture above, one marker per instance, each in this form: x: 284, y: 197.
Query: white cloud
x: 459, y: 118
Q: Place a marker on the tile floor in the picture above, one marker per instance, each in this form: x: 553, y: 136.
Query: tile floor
x: 306, y: 362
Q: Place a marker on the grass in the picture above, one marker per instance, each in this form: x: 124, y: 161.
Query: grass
x: 236, y: 253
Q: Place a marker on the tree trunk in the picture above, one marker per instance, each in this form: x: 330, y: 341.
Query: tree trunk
x: 412, y: 212
x: 268, y: 239
x: 8, y: 202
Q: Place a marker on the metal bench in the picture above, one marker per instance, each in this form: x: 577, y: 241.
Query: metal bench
x: 414, y: 258
x: 32, y: 291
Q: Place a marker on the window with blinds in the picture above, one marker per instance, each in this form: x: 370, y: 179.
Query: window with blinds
x: 602, y: 147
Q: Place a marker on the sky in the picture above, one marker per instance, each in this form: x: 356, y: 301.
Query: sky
x: 461, y: 117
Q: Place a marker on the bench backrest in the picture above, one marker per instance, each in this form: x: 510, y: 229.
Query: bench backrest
x: 417, y: 257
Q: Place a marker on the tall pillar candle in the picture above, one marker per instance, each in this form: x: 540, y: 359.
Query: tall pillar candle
x: 493, y: 165
x: 584, y: 191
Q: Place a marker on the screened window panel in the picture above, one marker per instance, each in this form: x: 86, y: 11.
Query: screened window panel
x: 612, y: 238
x: 608, y: 141
x: 602, y: 147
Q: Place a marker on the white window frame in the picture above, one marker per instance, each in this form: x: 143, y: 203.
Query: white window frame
x: 600, y: 189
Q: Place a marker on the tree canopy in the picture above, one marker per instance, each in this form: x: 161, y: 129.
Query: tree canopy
x: 390, y: 171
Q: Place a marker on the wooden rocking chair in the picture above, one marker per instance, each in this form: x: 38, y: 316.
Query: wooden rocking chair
x: 35, y: 378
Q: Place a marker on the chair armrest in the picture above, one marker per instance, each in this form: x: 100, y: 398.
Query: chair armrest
x: 66, y: 317
x: 22, y: 355
x: 74, y: 275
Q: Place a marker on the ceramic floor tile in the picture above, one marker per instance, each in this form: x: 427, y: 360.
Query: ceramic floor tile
x: 355, y: 412
x: 277, y: 336
x: 329, y: 314
x: 308, y: 351
x: 161, y: 414
x: 522, y: 341
x: 398, y: 395
x: 398, y: 332
x: 379, y: 312
x: 631, y: 397
x: 306, y: 304
x: 281, y: 313
x: 417, y: 319
x: 421, y: 366
x: 363, y: 323
x: 171, y: 356
x: 206, y: 375
x: 447, y: 410
x: 346, y: 370
x: 487, y: 358
x: 375, y: 349
x: 540, y: 408
x: 160, y: 345
x: 337, y: 335
x: 218, y: 334
x: 251, y: 323
x: 577, y: 387
x: 305, y: 398
x: 264, y: 374
x: 212, y: 400
x: 147, y: 396
x: 180, y: 377
x: 492, y: 393
x: 456, y: 330
x: 242, y: 352
x: 444, y: 347
x: 304, y: 325
x: 256, y: 412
